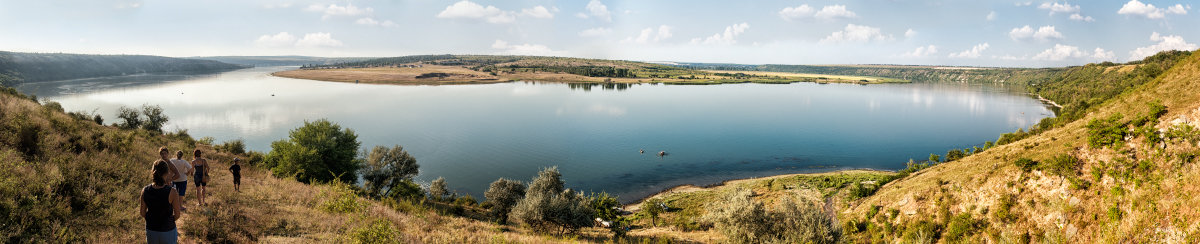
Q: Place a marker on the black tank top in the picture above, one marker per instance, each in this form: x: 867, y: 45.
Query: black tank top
x: 159, y: 211
x: 199, y: 176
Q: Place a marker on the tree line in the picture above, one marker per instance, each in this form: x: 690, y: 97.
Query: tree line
x: 33, y: 67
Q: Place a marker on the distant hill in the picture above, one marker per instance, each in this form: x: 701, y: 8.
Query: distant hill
x: 281, y: 60
x: 18, y: 67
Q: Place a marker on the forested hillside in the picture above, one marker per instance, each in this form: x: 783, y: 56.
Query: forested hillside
x: 280, y: 60
x: 35, y: 67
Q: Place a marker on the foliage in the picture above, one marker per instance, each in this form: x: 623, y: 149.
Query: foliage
x: 378, y: 231
x: 33, y: 67
x: 384, y: 168
x: 743, y: 220
x: 130, y: 118
x: 503, y: 194
x: 155, y: 119
x: 960, y: 227
x: 548, y: 206
x: 319, y: 151
x: 1025, y: 164
x: 235, y: 146
x: 438, y: 189
x: 1062, y: 165
x: 340, y: 198
x: 653, y: 207
x: 1105, y: 132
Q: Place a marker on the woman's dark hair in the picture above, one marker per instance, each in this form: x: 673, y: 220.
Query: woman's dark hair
x: 179, y: 154
x: 196, y: 153
x: 162, y: 150
x: 160, y: 171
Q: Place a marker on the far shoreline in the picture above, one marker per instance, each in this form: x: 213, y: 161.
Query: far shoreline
x: 683, y: 188
x: 419, y: 77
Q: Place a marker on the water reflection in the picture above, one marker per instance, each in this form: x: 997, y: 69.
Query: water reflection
x: 604, y: 85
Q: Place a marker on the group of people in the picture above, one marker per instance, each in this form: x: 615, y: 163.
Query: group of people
x: 162, y: 202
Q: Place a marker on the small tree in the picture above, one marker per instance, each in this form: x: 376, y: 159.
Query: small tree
x: 605, y: 207
x: 547, y: 206
x: 744, y: 220
x: 385, y: 168
x: 504, y: 194
x: 652, y: 207
x: 934, y: 158
x: 155, y: 119
x: 130, y: 118
x: 438, y: 189
x: 319, y: 151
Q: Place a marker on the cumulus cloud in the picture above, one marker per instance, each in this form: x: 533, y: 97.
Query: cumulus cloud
x: 334, y: 10
x: 319, y: 39
x: 596, y: 9
x: 1059, y: 7
x: 1026, y: 33
x: 1149, y: 11
x: 724, y: 38
x: 974, y: 52
x: 922, y: 51
x: 991, y: 16
x: 1062, y: 52
x: 595, y: 32
x: 539, y: 12
x: 828, y: 12
x: 470, y: 10
x: 651, y: 35
x: 856, y: 33
x: 524, y: 49
x: 1077, y: 16
x: 1164, y: 43
x: 910, y: 33
x: 276, y: 40
x: 368, y: 21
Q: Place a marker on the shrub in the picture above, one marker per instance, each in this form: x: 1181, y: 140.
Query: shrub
x: 605, y: 207
x: 652, y: 207
x: 465, y: 200
x: 503, y: 194
x: 207, y: 140
x: 961, y: 226
x: 384, y: 168
x: 1026, y: 164
x: 235, y: 146
x: 340, y: 198
x: 438, y: 189
x: 548, y: 206
x: 921, y: 232
x: 1062, y: 165
x: 860, y: 190
x: 155, y: 119
x: 378, y: 231
x: 744, y: 220
x: 319, y: 151
x: 130, y: 118
x: 1105, y: 132
x: 1003, y: 211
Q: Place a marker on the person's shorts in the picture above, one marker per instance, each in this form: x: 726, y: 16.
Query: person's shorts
x: 201, y: 183
x: 170, y: 237
x: 181, y: 187
x: 237, y: 180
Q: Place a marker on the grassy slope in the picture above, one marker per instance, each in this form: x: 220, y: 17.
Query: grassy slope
x: 69, y: 180
x: 1158, y: 204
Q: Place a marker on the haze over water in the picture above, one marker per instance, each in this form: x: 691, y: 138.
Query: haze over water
x: 474, y: 134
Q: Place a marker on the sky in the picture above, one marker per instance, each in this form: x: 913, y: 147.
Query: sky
x: 918, y: 32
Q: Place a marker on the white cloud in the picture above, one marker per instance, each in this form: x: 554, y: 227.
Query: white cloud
x: 372, y: 22
x: 276, y: 40
x: 319, y: 39
x: 524, y: 49
x: 922, y: 51
x: 1080, y: 17
x: 1164, y: 43
x: 470, y: 10
x: 1022, y: 4
x: 991, y: 16
x: 798, y: 12
x: 856, y: 33
x: 974, y: 52
x: 834, y: 12
x: 539, y: 12
x: 334, y: 10
x: 596, y: 9
x: 1059, y: 52
x: 828, y: 12
x: 910, y: 33
x: 1102, y: 55
x: 1149, y: 11
x: 1179, y: 9
x: 725, y: 38
x: 650, y: 35
x: 1059, y: 7
x: 1043, y: 33
x: 595, y: 32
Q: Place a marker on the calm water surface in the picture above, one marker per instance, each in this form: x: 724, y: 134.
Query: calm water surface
x: 474, y: 134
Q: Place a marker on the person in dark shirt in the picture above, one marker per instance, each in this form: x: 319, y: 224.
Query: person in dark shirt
x: 160, y: 207
x: 237, y: 175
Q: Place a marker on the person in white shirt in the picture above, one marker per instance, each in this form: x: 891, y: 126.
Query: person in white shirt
x: 185, y: 169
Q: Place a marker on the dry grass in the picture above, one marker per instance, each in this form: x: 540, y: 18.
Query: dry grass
x: 831, y: 78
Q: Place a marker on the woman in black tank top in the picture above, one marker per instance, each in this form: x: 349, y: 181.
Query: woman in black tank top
x: 160, y: 207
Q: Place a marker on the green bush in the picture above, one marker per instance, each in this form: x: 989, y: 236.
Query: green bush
x: 502, y: 195
x: 1003, y: 211
x: 960, y: 227
x: 921, y: 232
x: 319, y: 151
x: 1026, y: 164
x: 744, y: 220
x: 1106, y: 132
x: 652, y: 207
x: 378, y: 231
x: 549, y: 207
x: 235, y: 146
x: 340, y: 198
x: 438, y: 189
x: 385, y: 168
x: 1062, y: 165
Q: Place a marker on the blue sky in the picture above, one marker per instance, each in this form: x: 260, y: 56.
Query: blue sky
x: 934, y: 32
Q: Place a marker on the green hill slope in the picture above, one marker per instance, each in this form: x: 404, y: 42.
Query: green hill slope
x: 33, y: 67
